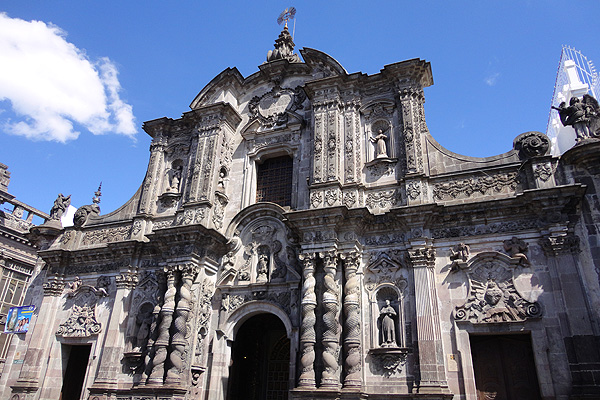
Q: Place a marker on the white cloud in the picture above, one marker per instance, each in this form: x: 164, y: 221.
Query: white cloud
x: 52, y: 85
x: 492, y: 79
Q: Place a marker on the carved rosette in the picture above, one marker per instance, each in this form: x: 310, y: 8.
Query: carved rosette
x: 532, y: 144
x: 308, y: 336
x: 493, y: 296
x: 352, y: 320
x: 331, y: 332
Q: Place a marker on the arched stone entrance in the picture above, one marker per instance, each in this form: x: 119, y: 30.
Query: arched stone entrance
x: 260, y: 360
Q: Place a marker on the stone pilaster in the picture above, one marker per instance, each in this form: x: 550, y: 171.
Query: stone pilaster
x: 575, y: 312
x: 431, y: 357
x: 114, y: 342
x: 412, y: 121
x: 331, y: 333
x: 153, y: 176
x: 308, y: 336
x: 352, y: 318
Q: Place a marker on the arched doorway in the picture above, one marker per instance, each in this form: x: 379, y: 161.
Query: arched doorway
x: 260, y: 360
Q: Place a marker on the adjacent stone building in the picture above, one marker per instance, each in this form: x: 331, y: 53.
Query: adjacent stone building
x: 300, y: 234
x: 18, y: 255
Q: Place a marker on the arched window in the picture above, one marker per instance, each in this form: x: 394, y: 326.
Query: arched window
x: 274, y: 181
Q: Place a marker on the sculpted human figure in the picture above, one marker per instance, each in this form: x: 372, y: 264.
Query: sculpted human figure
x: 175, y: 179
x: 583, y: 116
x: 380, y: 146
x: 60, y: 205
x: 388, y: 328
x: 262, y: 268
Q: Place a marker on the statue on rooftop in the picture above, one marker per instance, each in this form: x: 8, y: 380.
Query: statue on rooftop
x: 583, y: 115
x: 60, y: 206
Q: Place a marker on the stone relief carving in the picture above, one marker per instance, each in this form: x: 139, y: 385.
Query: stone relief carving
x: 109, y: 235
x: 475, y: 230
x: 380, y: 201
x: 82, y: 300
x: 273, y: 108
x: 203, y: 319
x: 316, y: 198
x: 413, y: 189
x: 493, y: 296
x: 349, y: 199
x: 467, y: 187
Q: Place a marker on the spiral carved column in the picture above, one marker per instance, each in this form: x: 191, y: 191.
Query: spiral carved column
x: 308, y: 336
x: 331, y: 332
x: 178, y: 341
x: 352, y: 321
x: 162, y: 341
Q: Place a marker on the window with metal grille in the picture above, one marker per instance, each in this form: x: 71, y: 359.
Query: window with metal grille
x: 274, y: 181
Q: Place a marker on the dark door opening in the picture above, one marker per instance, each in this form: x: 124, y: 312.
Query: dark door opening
x: 260, y: 360
x: 78, y: 357
x: 504, y: 367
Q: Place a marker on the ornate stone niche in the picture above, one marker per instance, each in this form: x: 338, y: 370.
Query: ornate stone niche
x: 386, y: 284
x: 493, y: 297
x: 142, y: 320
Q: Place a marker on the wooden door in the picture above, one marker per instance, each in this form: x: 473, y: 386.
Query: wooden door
x: 504, y: 367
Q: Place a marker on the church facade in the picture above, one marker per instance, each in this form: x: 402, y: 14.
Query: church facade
x: 299, y: 234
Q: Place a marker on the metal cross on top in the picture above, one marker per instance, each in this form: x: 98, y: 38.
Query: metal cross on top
x: 286, y: 15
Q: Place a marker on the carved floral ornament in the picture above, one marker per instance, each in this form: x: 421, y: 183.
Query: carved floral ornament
x: 493, y: 297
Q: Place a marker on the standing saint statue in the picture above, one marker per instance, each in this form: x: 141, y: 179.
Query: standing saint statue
x: 388, y: 327
x: 380, y: 146
x: 262, y: 268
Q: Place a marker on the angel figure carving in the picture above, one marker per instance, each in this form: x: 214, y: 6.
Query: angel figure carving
x: 583, y: 115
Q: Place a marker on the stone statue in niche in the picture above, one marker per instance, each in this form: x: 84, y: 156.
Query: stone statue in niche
x: 262, y: 269
x: 388, y: 326
x: 380, y: 145
x: 175, y: 179
x: 143, y: 323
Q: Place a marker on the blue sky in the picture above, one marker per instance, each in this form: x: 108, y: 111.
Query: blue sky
x: 65, y: 128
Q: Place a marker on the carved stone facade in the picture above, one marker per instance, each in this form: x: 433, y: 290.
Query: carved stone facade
x: 392, y: 260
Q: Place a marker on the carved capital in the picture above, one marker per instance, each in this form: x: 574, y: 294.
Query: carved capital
x: 54, y: 286
x: 126, y: 280
x: 422, y: 257
x: 351, y: 260
x: 308, y: 261
x: 560, y: 245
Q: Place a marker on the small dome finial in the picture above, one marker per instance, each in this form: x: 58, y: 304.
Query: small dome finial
x: 284, y: 44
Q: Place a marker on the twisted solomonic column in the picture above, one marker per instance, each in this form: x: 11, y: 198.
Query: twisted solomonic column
x: 352, y: 320
x: 178, y: 341
x: 162, y: 341
x: 331, y: 308
x: 308, y: 336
